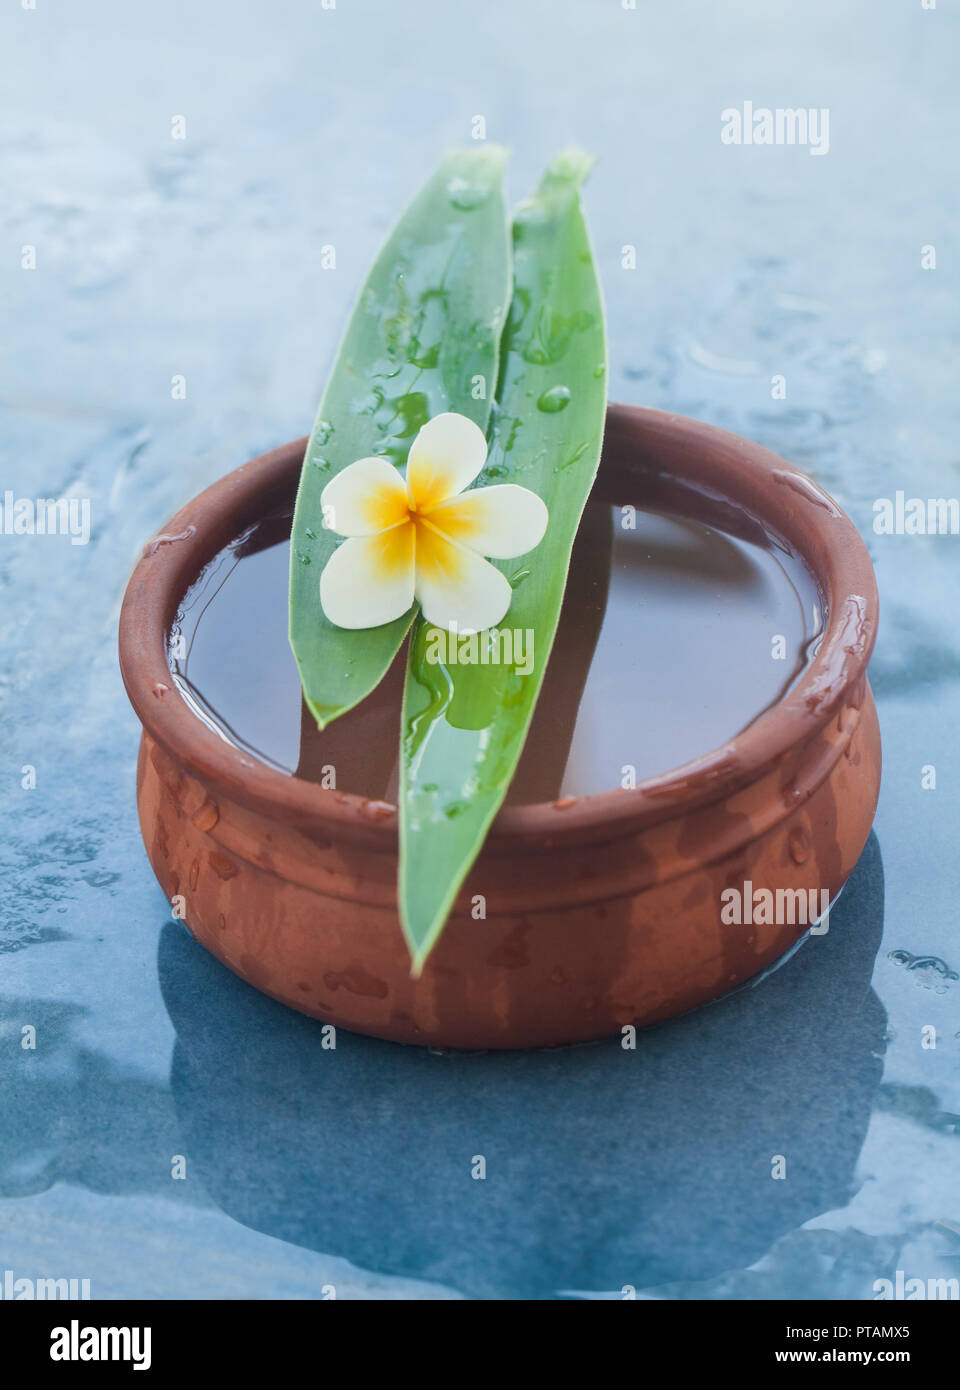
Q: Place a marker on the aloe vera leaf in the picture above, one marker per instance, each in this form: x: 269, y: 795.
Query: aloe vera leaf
x: 424, y: 337
x: 464, y: 726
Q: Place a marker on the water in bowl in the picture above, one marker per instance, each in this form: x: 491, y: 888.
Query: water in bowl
x: 674, y: 636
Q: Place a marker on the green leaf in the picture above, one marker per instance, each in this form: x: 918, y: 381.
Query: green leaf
x: 425, y: 331
x: 464, y: 726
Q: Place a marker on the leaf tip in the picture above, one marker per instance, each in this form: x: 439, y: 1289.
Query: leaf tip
x: 421, y: 934
x: 323, y: 714
x: 484, y: 162
x: 571, y: 165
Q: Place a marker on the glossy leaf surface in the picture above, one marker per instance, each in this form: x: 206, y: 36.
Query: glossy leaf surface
x: 424, y: 338
x: 464, y: 725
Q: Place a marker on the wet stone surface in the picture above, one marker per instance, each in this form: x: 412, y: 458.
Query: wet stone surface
x: 178, y: 322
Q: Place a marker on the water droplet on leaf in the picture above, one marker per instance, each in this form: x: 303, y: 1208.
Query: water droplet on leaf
x: 466, y: 196
x: 555, y: 399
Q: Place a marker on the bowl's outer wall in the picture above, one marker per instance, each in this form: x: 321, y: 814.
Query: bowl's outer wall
x: 593, y: 920
x: 576, y: 944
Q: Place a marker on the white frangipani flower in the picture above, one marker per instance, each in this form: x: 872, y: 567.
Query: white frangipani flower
x: 426, y: 538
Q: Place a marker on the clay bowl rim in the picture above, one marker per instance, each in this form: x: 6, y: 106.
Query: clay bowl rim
x: 842, y: 571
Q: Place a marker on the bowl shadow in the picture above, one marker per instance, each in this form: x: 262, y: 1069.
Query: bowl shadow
x: 604, y: 1166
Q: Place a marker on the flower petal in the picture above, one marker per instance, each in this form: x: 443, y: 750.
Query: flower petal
x: 456, y: 587
x: 364, y: 498
x: 501, y: 521
x: 369, y: 580
x: 445, y: 457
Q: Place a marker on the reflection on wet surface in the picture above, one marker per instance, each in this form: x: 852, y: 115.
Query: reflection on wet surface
x: 607, y: 1167
x: 199, y: 258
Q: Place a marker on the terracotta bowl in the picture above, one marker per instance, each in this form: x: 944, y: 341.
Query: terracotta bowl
x: 601, y: 912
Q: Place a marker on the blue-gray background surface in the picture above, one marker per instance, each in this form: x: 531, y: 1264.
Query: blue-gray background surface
x: 158, y: 257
